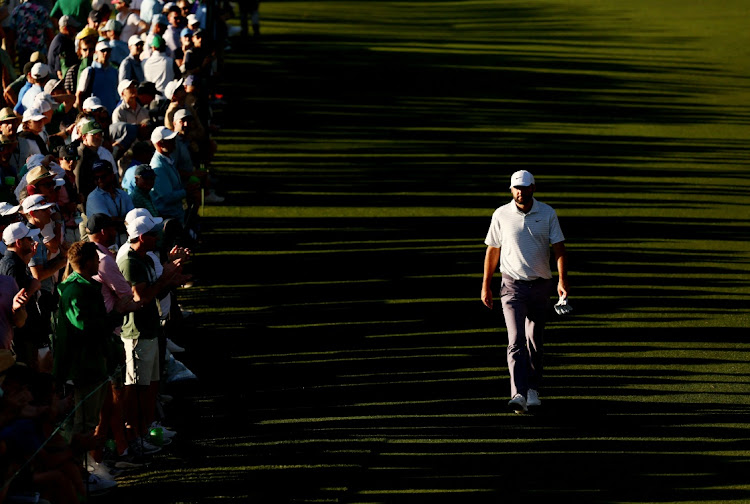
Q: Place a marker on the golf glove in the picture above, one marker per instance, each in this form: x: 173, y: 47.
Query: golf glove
x: 562, y: 307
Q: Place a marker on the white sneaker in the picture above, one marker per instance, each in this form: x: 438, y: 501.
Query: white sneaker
x: 532, y: 398
x: 166, y: 433
x: 98, y: 486
x: 212, y: 197
x: 518, y: 404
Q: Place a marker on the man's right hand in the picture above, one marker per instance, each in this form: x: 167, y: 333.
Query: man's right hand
x: 487, y: 297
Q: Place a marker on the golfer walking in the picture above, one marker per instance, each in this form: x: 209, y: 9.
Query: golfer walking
x: 519, y: 240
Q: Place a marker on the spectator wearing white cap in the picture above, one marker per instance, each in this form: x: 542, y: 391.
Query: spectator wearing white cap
x: 111, y: 31
x: 159, y: 68
x: 187, y: 159
x: 50, y: 256
x: 38, y: 213
x: 100, y: 79
x: 12, y: 298
x: 30, y: 140
x: 142, y: 328
x: 20, y: 242
x: 61, y: 54
x: 129, y: 110
x: 131, y: 23
x: 8, y: 215
x: 40, y: 73
x: 168, y: 192
x: 131, y: 67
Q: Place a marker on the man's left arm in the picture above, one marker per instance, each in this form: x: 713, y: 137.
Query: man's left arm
x: 561, y: 259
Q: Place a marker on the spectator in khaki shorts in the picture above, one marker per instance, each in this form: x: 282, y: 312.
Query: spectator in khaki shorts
x: 142, y: 328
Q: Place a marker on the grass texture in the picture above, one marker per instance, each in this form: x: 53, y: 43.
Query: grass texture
x: 342, y: 350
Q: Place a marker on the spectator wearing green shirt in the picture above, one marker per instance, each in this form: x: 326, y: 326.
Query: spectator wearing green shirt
x: 82, y: 337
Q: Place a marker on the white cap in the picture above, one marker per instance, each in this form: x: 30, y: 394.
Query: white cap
x: 181, y: 114
x: 142, y: 225
x: 43, y: 105
x: 171, y: 87
x: 135, y: 213
x: 40, y: 70
x: 68, y: 21
x: 134, y: 39
x: 192, y: 19
x: 45, y: 97
x: 16, y: 231
x: 100, y: 46
x: 8, y: 209
x: 32, y: 114
x: 162, y: 133
x: 98, y: 4
x: 123, y: 85
x: 521, y: 178
x: 92, y: 103
x: 34, y: 202
x: 109, y: 25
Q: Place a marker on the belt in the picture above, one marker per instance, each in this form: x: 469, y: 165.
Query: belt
x: 527, y: 282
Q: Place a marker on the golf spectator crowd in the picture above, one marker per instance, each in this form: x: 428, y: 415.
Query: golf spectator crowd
x: 106, y: 144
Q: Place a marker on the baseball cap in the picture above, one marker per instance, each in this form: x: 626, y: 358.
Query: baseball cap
x: 162, y: 133
x: 135, y: 213
x: 521, y: 178
x: 86, y: 33
x: 68, y: 21
x: 134, y: 40
x: 144, y: 170
x: 192, y: 19
x: 171, y: 87
x: 125, y: 84
x: 142, y: 225
x: 92, y: 103
x: 100, y: 165
x: 182, y: 114
x: 102, y: 46
x: 90, y: 128
x: 18, y: 230
x: 8, y: 209
x: 97, y: 222
x: 35, y: 202
x: 156, y: 41
x: 186, y: 32
x: 40, y: 70
x: 32, y: 114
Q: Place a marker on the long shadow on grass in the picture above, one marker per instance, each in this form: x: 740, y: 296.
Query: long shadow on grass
x: 349, y: 359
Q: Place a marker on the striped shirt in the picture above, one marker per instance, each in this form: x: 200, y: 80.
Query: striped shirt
x: 524, y: 239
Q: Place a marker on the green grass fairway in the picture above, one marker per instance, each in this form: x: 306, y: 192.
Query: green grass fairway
x: 342, y: 350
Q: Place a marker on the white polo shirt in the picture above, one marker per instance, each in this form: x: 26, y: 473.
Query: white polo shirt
x: 524, y: 239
